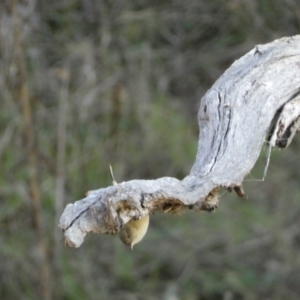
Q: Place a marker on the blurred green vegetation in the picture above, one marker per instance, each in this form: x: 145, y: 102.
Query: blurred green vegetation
x: 88, y: 83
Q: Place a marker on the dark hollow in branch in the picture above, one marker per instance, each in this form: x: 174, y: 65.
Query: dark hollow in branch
x: 256, y: 100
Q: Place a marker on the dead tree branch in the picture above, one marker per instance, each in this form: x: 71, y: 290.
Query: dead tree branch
x: 256, y: 100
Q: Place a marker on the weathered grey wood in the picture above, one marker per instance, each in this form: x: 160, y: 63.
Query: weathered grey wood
x: 256, y: 100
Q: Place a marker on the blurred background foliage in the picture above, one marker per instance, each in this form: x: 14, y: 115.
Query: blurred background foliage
x: 85, y: 83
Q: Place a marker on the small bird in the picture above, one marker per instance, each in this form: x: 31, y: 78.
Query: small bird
x: 133, y: 231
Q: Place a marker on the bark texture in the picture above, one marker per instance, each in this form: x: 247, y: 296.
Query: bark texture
x: 256, y: 100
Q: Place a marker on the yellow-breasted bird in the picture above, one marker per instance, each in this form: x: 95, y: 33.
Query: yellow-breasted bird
x: 133, y: 231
